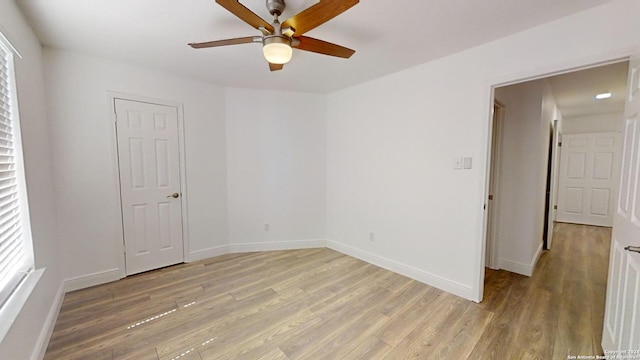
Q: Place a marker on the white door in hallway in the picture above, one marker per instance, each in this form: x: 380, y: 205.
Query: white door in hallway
x: 621, y: 332
x: 149, y: 162
x: 588, y: 179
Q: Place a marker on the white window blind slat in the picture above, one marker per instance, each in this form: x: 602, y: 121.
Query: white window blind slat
x: 6, y: 175
x: 8, y: 251
x: 14, y: 263
x: 10, y: 209
x: 8, y: 228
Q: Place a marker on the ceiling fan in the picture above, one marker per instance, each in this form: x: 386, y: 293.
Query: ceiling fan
x: 279, y: 39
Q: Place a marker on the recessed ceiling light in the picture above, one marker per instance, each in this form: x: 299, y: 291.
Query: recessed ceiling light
x: 603, y: 96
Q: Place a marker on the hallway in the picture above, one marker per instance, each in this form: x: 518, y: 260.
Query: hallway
x: 559, y: 310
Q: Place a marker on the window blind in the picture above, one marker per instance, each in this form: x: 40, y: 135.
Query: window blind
x: 13, y: 262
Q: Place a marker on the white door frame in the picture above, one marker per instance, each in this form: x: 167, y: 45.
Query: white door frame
x: 112, y: 96
x: 512, y: 79
x: 494, y: 171
x: 621, y: 328
x: 553, y: 196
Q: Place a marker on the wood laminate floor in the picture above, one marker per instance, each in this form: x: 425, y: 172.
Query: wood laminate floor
x: 320, y: 304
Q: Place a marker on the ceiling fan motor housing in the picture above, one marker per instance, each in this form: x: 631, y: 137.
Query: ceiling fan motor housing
x: 275, y: 7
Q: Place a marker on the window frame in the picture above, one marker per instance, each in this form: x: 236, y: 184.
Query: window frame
x: 16, y: 294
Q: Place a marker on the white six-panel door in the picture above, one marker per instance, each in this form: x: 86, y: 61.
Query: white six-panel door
x: 149, y: 161
x: 621, y: 333
x: 588, y: 179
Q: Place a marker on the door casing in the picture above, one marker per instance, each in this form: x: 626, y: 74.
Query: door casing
x: 494, y: 169
x: 553, y: 197
x: 557, y: 68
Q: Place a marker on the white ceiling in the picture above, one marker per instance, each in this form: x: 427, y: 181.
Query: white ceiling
x: 575, y: 92
x: 388, y: 36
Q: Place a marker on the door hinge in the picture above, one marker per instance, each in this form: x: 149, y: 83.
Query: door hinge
x: 555, y: 207
x: 490, y: 197
x: 560, y: 144
x: 484, y: 207
x: 633, y: 248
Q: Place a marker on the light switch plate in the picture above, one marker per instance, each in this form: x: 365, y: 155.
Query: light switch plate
x: 467, y: 162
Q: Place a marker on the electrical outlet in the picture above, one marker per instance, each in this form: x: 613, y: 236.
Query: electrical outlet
x: 372, y: 237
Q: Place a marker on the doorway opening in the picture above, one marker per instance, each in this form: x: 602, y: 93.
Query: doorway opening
x: 525, y: 174
x: 557, y: 173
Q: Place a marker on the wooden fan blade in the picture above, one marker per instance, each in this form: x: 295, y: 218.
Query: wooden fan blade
x: 236, y: 41
x: 246, y: 15
x: 317, y: 15
x: 323, y: 47
x: 275, y: 67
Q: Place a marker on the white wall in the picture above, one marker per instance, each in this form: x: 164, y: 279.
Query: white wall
x: 612, y: 122
x: 26, y: 332
x: 276, y: 158
x: 529, y: 112
x: 391, y: 144
x: 85, y: 166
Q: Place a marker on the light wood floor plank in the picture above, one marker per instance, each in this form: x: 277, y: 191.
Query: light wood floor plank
x: 275, y: 354
x: 320, y: 304
x: 370, y: 348
x: 418, y: 344
x: 459, y: 340
x: 405, y: 321
x: 258, y: 346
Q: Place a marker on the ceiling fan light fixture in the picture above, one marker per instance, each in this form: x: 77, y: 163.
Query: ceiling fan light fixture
x: 277, y: 49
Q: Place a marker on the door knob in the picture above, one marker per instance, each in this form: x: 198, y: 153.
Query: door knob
x: 174, y: 195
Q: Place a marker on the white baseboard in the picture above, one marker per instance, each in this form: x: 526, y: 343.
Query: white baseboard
x: 89, y: 280
x: 536, y: 257
x: 68, y: 285
x: 207, y: 253
x: 47, y: 328
x: 278, y: 245
x: 520, y: 268
x: 406, y: 270
x: 516, y: 267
